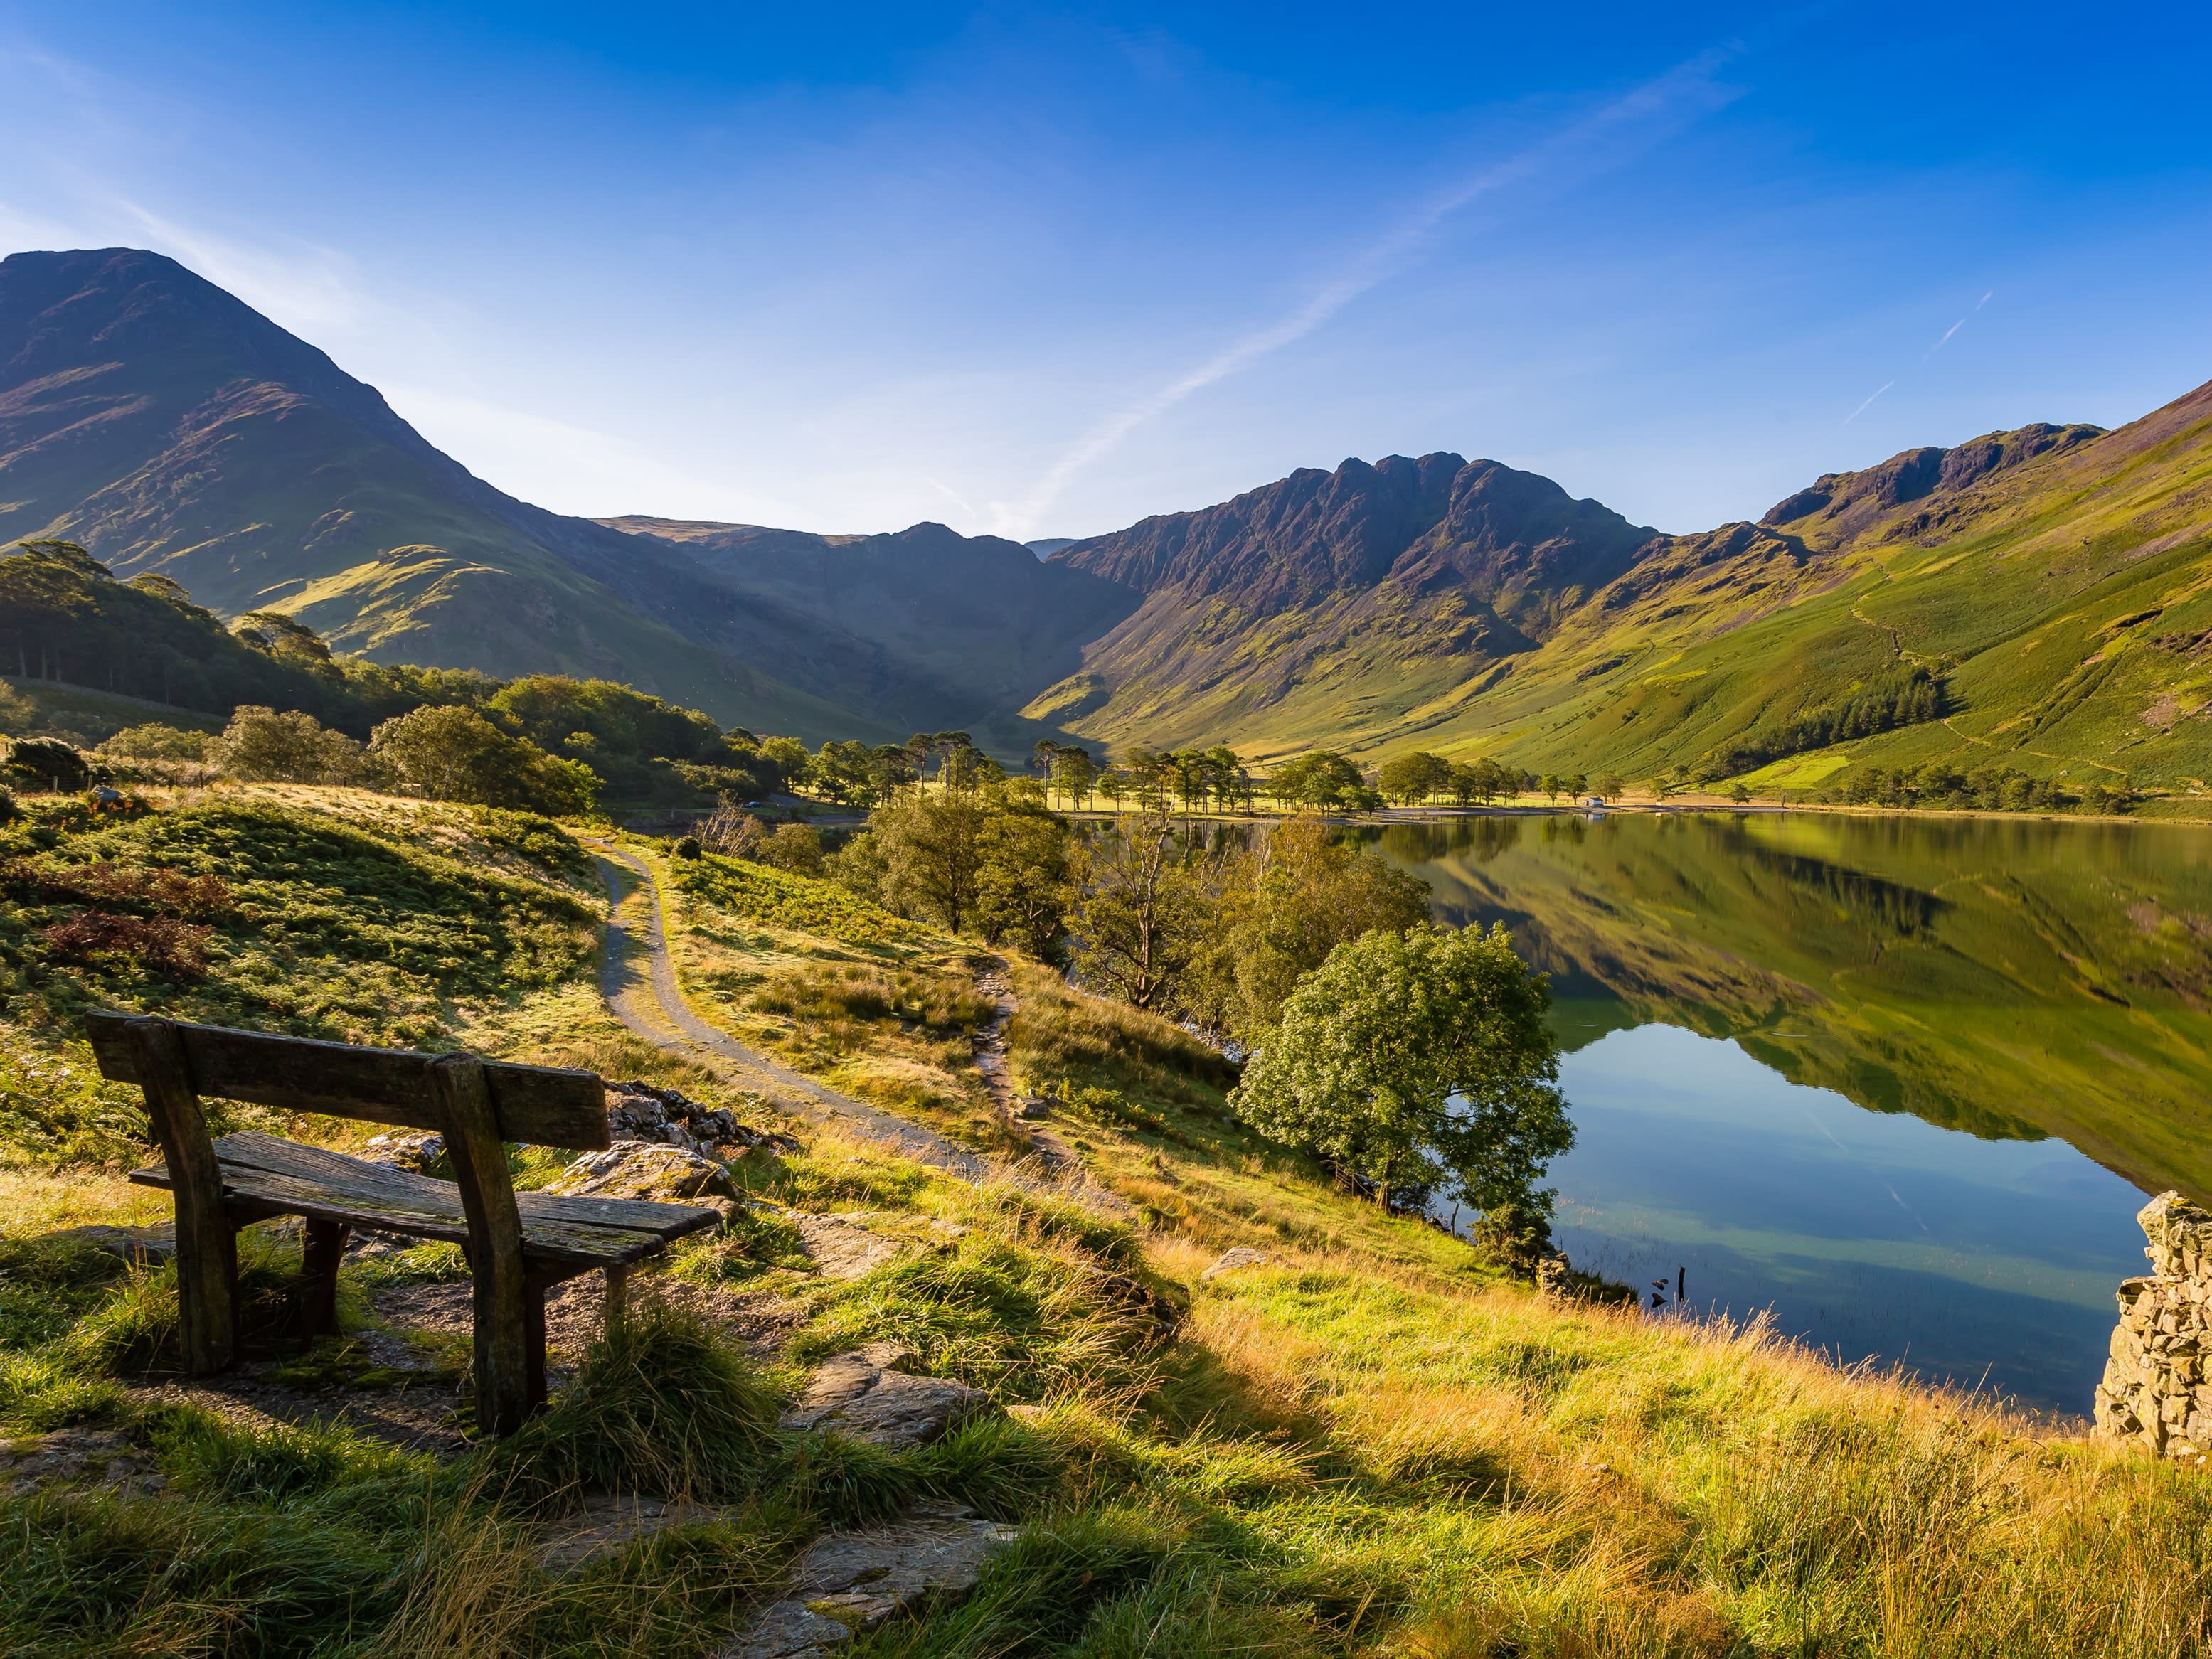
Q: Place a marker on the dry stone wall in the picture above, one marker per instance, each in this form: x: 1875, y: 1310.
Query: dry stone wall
x: 2157, y: 1391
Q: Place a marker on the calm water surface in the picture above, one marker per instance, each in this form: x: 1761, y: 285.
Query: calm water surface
x: 1904, y: 1082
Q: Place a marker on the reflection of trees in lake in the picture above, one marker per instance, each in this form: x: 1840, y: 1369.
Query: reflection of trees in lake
x: 1887, y: 907
x: 1998, y: 976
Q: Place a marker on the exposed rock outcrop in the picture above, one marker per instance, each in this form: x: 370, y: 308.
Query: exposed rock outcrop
x: 646, y: 1170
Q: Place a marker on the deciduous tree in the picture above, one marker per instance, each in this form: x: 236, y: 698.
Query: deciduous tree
x: 1420, y: 1059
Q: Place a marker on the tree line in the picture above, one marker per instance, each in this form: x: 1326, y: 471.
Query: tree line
x: 1413, y: 1057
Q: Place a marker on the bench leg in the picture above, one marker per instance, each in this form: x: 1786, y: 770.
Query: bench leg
x: 325, y: 1243
x: 534, y: 1313
x: 617, y: 1300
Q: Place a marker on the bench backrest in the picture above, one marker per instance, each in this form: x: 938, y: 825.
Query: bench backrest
x: 536, y: 1105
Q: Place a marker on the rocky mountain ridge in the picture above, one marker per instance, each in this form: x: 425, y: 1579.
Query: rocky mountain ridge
x: 1429, y: 601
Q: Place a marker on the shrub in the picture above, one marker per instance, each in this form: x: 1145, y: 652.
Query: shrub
x: 49, y: 761
x: 687, y: 848
x: 153, y: 945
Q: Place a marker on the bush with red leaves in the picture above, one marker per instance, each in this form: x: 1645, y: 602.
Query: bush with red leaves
x: 116, y: 886
x: 160, y: 944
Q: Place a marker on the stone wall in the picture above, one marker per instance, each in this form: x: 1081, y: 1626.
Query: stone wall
x: 2157, y: 1391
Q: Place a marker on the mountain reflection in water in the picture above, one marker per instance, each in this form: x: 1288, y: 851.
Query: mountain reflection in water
x: 2037, y: 992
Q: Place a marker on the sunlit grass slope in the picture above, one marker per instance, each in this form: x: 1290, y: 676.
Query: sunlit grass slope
x: 2066, y: 597
x: 1370, y: 1444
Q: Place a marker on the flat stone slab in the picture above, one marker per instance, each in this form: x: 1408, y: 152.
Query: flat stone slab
x: 1229, y: 1260
x: 861, y: 1396
x: 840, y: 1247
x: 848, y: 1583
x: 607, y: 1524
x: 76, y: 1457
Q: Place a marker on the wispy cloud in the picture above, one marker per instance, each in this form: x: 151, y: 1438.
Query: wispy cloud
x: 1956, y: 326
x: 1623, y: 128
x: 1863, y: 407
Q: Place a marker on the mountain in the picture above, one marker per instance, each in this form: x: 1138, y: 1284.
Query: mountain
x: 982, y: 620
x: 2038, y: 599
x: 2052, y: 585
x: 168, y: 428
x: 1333, y: 602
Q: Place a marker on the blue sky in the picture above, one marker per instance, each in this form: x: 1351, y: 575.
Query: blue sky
x: 1041, y: 272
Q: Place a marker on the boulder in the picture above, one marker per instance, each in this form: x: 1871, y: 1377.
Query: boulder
x: 848, y: 1583
x: 644, y: 1169
x: 863, y: 1395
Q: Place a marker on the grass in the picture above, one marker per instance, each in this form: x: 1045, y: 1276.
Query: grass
x: 1374, y: 1446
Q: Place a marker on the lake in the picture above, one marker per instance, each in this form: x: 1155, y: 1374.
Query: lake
x: 1903, y: 1081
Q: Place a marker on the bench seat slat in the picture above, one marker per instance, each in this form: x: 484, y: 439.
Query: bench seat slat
x: 265, y: 1171
x: 542, y: 1105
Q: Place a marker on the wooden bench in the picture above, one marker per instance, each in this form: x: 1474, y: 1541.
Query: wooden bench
x: 517, y: 1244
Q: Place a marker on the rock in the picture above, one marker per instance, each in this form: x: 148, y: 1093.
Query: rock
x: 643, y: 1169
x: 76, y: 1457
x: 840, y: 1247
x: 863, y: 1396
x: 608, y: 1523
x: 1033, y: 1108
x: 638, y: 1111
x: 418, y: 1151
x: 140, y: 1246
x: 848, y: 1583
x: 1229, y: 1260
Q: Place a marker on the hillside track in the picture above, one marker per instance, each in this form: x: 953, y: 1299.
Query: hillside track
x: 637, y: 977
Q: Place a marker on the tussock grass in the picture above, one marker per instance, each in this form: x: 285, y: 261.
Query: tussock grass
x: 660, y: 1405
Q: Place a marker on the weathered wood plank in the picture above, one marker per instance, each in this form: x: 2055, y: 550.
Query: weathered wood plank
x: 538, y: 1105
x: 344, y: 1173
x: 207, y: 1244
x: 547, y: 1236
x: 503, y: 1335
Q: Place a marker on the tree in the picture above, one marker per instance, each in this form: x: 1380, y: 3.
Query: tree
x: 1412, y: 779
x: 1609, y: 785
x: 456, y: 754
x: 1140, y: 908
x: 1320, y: 778
x: 1418, y: 1060
x: 931, y: 852
x: 1284, y: 906
x: 53, y: 763
x: 796, y: 847
x: 1554, y: 787
x: 846, y: 773
x: 1073, y: 773
x: 789, y: 758
x: 1022, y: 884
x: 1740, y: 793
x: 264, y: 746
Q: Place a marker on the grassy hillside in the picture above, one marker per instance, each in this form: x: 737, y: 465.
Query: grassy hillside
x: 1367, y: 1444
x: 170, y: 429
x: 2052, y: 580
